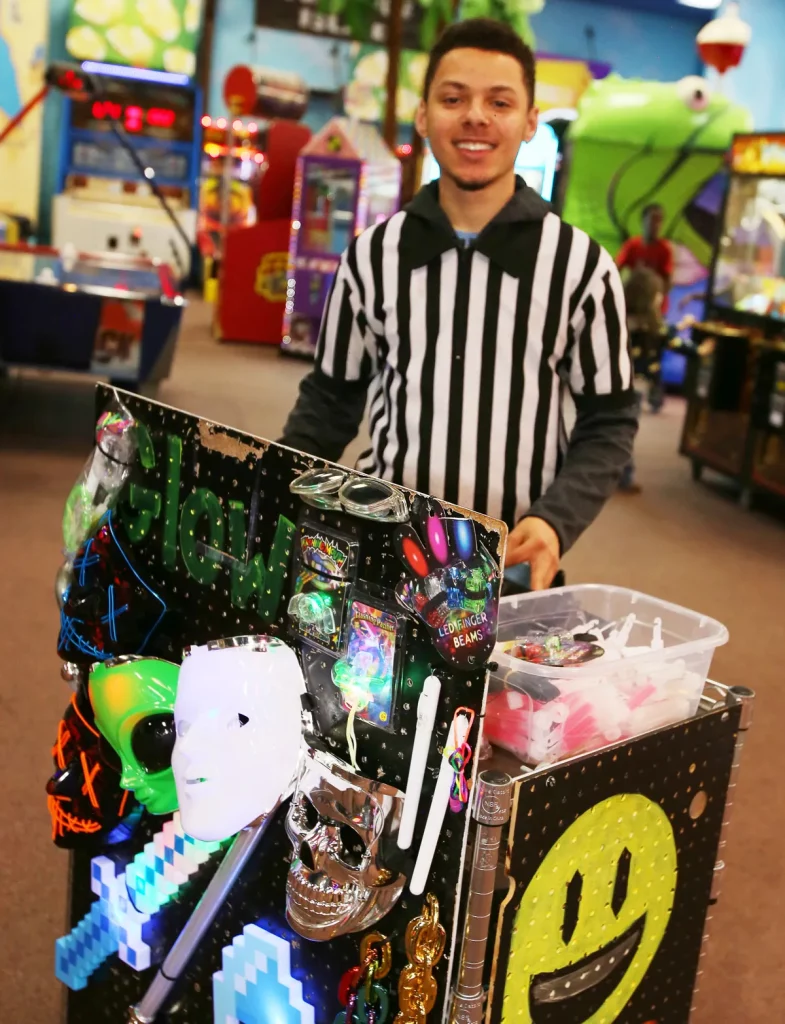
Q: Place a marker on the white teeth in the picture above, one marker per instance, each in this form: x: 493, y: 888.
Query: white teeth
x: 475, y: 147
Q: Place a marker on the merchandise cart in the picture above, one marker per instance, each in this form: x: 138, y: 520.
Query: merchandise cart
x: 375, y: 888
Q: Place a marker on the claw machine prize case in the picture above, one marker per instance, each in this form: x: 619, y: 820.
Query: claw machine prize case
x: 269, y: 772
x: 734, y: 420
x: 347, y: 180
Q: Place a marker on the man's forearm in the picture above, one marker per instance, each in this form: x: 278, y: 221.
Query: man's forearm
x: 599, y: 449
x: 326, y: 417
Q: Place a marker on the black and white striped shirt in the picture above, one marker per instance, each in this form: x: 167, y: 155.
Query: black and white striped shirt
x: 470, y: 354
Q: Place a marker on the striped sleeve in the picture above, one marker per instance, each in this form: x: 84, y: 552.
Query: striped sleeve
x: 601, y: 364
x: 345, y: 350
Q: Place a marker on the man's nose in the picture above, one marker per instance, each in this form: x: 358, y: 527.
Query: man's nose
x: 476, y: 112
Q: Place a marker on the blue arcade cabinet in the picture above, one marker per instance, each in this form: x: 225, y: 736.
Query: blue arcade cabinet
x: 105, y: 201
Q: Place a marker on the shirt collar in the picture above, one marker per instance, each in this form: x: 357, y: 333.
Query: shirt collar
x: 428, y: 233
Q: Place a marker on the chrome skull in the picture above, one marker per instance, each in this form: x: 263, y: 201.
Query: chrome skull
x: 338, y: 822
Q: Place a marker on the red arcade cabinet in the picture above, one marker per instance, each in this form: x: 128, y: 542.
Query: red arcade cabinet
x: 253, y: 269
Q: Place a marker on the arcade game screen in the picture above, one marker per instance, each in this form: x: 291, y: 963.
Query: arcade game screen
x: 750, y: 271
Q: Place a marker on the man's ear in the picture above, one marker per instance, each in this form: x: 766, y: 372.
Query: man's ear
x: 420, y: 120
x: 532, y: 122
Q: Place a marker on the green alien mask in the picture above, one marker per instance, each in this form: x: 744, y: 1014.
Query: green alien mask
x: 133, y: 701
x: 593, y: 916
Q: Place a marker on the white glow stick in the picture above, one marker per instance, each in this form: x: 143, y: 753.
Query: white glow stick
x: 657, y: 642
x: 585, y: 627
x: 439, y: 804
x: 627, y: 628
x: 426, y: 716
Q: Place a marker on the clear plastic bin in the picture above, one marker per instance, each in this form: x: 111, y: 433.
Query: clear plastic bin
x: 545, y: 714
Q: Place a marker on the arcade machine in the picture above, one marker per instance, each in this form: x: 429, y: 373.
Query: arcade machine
x: 244, y: 152
x: 537, y: 162
x: 107, y: 200
x: 111, y: 315
x: 736, y: 412
x: 229, y: 189
x: 253, y: 235
x: 347, y: 180
x: 559, y: 119
x: 232, y: 163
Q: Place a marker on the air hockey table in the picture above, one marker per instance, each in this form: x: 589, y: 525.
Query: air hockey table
x: 106, y: 315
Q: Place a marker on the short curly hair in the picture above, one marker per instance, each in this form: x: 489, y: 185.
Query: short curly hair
x: 482, y: 34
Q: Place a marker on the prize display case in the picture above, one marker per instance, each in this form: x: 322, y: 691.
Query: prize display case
x: 735, y: 383
x: 748, y: 271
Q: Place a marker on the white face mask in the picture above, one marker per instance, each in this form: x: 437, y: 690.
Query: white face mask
x: 238, y: 715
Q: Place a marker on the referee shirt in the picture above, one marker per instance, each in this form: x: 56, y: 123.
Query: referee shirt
x: 476, y: 359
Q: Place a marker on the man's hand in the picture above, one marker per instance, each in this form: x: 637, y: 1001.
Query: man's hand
x: 537, y: 543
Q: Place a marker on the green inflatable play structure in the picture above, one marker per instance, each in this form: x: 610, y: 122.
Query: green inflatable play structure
x: 635, y: 143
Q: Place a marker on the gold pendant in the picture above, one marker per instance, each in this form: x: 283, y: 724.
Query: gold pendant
x: 417, y: 988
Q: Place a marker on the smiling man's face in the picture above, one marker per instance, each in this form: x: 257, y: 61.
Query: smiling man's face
x: 477, y: 114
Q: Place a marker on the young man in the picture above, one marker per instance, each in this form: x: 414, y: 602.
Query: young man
x: 649, y: 250
x: 475, y: 316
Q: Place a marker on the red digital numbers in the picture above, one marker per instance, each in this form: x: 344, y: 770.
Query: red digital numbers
x: 103, y: 110
x: 160, y: 117
x: 133, y: 117
x: 69, y: 81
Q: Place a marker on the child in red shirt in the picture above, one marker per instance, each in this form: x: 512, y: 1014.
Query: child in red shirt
x: 649, y: 250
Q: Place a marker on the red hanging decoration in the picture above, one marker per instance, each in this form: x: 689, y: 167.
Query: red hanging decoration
x: 721, y: 43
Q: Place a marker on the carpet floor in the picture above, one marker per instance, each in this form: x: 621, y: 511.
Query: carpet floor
x: 685, y: 542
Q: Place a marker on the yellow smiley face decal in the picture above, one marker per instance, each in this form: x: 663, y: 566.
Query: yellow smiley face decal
x: 593, y: 916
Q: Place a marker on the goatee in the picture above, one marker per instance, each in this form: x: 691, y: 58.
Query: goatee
x: 471, y: 186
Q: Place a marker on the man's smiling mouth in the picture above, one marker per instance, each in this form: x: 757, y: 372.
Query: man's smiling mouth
x: 577, y: 992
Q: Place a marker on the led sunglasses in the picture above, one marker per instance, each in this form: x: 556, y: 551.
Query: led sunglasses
x: 357, y: 495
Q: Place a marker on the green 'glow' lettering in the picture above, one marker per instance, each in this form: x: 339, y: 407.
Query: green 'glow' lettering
x: 201, y: 503
x: 174, y: 458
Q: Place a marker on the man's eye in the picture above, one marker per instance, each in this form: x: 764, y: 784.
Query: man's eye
x: 501, y: 103
x: 450, y: 100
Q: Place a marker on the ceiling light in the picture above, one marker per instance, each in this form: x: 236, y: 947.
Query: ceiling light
x: 703, y: 5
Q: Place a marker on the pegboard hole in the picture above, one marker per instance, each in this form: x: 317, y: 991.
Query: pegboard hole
x: 698, y: 804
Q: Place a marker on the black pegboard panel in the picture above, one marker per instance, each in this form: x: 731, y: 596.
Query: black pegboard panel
x: 670, y: 768
x: 181, y: 459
